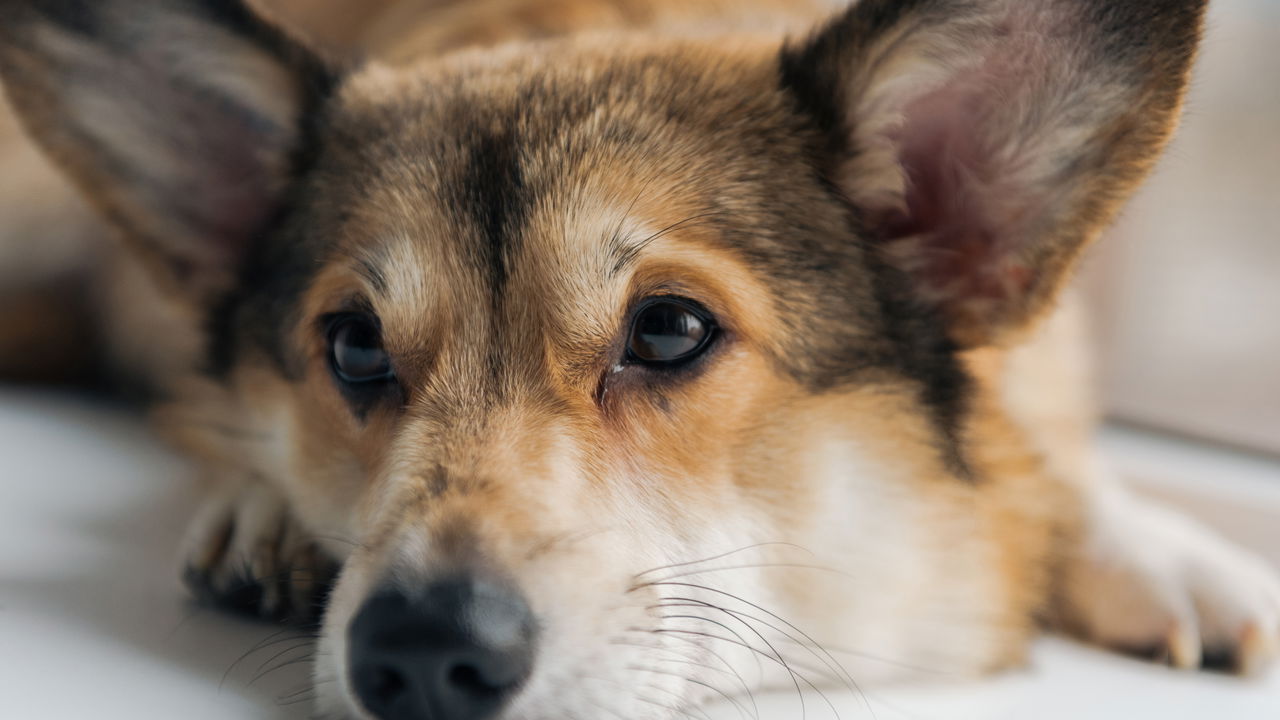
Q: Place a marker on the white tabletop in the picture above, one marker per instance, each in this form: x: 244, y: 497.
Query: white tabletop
x: 94, y: 624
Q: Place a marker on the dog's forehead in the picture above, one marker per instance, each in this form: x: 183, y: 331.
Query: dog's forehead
x: 483, y: 172
x: 460, y: 187
x: 487, y: 146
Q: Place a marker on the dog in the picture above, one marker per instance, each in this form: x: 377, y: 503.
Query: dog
x: 621, y: 354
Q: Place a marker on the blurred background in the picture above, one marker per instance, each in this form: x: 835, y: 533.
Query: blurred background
x: 1187, y: 289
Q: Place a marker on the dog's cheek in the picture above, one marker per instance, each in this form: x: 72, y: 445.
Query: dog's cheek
x: 687, y: 433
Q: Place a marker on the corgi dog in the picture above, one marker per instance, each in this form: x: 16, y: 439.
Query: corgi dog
x: 614, y: 355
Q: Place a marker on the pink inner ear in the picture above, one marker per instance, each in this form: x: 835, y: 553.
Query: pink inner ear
x: 962, y: 220
x: 969, y: 151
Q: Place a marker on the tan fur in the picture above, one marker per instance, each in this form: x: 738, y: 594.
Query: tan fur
x: 411, y: 29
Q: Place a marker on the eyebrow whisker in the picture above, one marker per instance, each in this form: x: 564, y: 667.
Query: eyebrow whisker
x: 628, y: 254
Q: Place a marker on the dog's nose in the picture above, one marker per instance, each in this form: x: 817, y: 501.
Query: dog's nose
x: 457, y: 650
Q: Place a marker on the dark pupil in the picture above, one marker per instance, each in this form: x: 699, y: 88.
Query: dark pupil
x: 358, y: 353
x: 666, y: 331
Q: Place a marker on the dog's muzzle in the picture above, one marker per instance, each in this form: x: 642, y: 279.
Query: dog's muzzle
x: 457, y: 649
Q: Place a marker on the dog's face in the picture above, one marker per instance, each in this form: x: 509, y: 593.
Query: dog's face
x: 529, y: 326
x: 547, y: 331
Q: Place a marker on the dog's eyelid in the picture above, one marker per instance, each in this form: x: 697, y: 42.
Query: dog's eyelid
x: 678, y: 292
x: 354, y: 306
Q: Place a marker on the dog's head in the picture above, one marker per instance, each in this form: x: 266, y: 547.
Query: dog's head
x: 527, y: 324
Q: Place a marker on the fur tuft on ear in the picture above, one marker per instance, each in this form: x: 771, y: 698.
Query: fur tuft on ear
x: 178, y: 118
x: 984, y: 143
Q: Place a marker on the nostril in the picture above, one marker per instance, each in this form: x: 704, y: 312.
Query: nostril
x: 467, y: 678
x: 387, y: 683
x: 380, y: 687
x: 473, y: 681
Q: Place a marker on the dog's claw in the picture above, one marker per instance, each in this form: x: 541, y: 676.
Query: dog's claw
x: 1257, y: 647
x: 1152, y: 578
x: 248, y: 556
x: 1183, y: 646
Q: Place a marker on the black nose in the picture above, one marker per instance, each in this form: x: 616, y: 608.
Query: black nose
x: 456, y: 650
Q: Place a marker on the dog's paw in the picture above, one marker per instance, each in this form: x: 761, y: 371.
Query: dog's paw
x: 1156, y: 583
x: 245, y: 553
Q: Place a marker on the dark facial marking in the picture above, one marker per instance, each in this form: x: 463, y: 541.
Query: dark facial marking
x: 493, y: 192
x: 437, y: 482
x: 918, y: 345
x: 923, y: 352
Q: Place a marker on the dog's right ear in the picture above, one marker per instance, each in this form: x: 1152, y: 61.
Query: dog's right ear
x: 178, y: 118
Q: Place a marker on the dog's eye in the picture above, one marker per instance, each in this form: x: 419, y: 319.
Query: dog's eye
x: 667, y: 331
x: 355, y: 350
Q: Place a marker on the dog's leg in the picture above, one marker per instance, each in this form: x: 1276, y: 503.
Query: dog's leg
x: 1134, y: 576
x: 1142, y: 578
x: 245, y: 552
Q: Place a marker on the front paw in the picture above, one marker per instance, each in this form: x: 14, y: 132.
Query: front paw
x: 247, y: 554
x: 1152, y: 581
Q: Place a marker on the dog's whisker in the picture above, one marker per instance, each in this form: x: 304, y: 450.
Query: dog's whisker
x: 830, y: 668
x: 693, y: 681
x: 306, y: 687
x: 621, y: 255
x: 682, y: 659
x: 681, y: 656
x: 862, y: 655
x: 755, y: 655
x: 813, y: 643
x: 778, y: 655
x: 686, y: 705
x: 779, y: 660
x: 683, y: 708
x: 631, y: 690
x: 731, y: 553
x: 705, y: 648
x: 262, y: 645
x: 306, y: 658
x: 265, y: 642
x: 837, y: 672
x: 604, y: 708
x: 259, y: 672
x: 752, y: 566
x: 308, y: 693
x: 629, y: 253
x: 299, y: 701
x: 685, y: 660
x: 658, y: 646
x: 731, y: 630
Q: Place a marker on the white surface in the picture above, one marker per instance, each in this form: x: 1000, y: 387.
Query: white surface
x: 93, y: 623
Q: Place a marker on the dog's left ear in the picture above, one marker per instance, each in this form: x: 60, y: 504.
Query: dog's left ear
x: 179, y: 119
x: 984, y: 143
